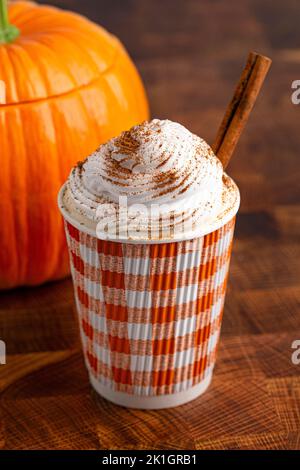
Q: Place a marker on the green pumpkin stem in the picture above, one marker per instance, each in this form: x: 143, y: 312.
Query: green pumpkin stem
x: 8, y: 32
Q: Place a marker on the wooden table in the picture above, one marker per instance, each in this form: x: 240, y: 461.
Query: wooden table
x: 190, y: 54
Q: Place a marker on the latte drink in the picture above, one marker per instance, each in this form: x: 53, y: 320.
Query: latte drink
x: 149, y: 220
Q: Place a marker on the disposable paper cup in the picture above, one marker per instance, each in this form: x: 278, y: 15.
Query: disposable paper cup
x: 149, y: 313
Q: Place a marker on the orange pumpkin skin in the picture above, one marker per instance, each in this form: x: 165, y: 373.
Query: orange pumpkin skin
x: 70, y: 85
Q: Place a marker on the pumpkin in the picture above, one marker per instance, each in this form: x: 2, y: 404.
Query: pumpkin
x: 69, y: 85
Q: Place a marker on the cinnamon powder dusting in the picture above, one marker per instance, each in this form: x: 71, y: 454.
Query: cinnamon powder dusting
x: 80, y: 164
x: 127, y: 143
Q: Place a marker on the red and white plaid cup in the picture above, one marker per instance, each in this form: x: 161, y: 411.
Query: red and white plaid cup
x: 149, y: 314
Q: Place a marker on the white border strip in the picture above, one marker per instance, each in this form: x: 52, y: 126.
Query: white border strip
x: 152, y: 402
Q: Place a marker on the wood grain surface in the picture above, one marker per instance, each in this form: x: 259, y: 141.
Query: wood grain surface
x: 190, y: 54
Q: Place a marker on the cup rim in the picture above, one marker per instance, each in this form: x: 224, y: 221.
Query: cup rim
x: 189, y: 236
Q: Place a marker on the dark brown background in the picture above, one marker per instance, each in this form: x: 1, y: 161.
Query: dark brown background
x: 190, y: 54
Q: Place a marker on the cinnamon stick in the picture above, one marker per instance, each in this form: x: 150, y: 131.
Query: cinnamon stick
x: 239, y: 109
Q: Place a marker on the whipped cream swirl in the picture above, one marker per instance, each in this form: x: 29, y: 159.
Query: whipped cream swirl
x: 155, y: 181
